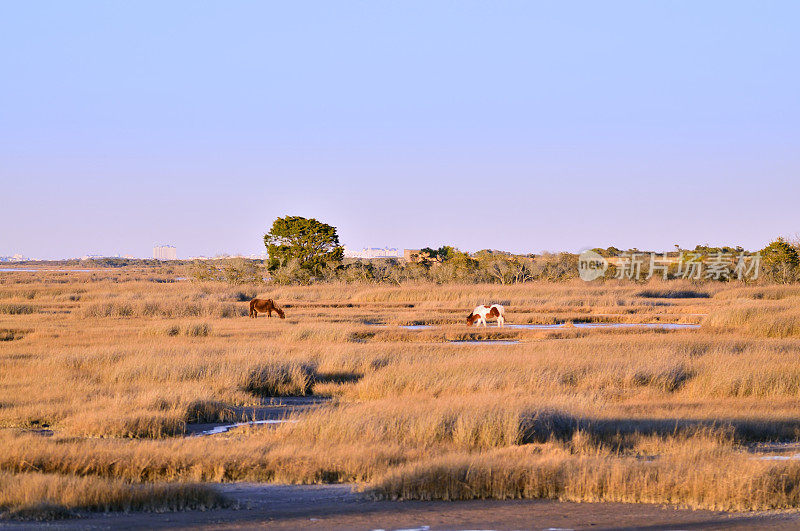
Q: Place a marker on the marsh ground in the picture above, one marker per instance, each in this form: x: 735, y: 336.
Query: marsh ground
x: 105, y: 373
x: 337, y: 507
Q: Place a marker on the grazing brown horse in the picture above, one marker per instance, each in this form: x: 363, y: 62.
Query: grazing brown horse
x: 264, y: 306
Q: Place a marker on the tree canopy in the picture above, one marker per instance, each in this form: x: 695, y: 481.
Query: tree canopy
x: 780, y: 261
x: 306, y: 241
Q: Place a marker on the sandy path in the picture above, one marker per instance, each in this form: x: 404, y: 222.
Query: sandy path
x: 336, y: 507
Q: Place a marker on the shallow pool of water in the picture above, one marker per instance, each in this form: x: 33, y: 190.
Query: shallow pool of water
x: 35, y: 270
x: 227, y: 427
x: 533, y: 326
x: 485, y: 341
x: 792, y: 457
x: 666, y: 326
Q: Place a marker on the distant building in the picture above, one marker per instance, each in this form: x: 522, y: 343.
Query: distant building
x: 254, y: 256
x: 368, y: 253
x: 103, y: 256
x: 164, y: 252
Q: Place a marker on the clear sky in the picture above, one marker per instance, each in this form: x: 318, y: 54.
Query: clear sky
x: 522, y: 126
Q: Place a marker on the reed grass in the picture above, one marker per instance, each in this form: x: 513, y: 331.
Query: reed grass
x: 30, y: 496
x: 689, y: 474
x: 113, y: 366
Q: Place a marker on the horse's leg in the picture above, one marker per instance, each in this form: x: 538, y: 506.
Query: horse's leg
x: 269, y: 312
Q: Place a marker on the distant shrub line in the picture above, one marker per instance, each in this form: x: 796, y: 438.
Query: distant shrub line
x: 485, y: 267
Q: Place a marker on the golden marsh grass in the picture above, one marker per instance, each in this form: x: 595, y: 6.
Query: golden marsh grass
x: 100, y: 373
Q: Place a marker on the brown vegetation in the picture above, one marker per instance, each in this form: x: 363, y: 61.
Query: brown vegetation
x: 51, y: 496
x: 102, y: 371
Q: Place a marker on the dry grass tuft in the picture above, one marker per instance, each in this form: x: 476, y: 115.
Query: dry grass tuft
x: 673, y: 294
x: 52, y: 496
x: 203, y: 411
x: 691, y: 473
x: 145, y: 425
x: 11, y: 334
x: 281, y: 379
x: 17, y: 309
x: 758, y: 319
x: 187, y: 329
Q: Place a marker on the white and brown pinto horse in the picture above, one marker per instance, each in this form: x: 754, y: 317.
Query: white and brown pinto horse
x: 481, y: 313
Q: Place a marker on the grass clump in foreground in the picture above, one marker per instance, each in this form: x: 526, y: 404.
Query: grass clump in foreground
x: 17, y: 309
x: 52, y: 496
x: 281, y: 379
x: 10, y: 334
x: 696, y: 472
x: 201, y: 411
x: 189, y: 330
x: 760, y: 319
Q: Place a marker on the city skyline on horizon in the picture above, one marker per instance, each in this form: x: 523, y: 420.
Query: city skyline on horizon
x: 263, y: 253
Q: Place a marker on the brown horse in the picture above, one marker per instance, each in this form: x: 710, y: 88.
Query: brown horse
x: 264, y: 306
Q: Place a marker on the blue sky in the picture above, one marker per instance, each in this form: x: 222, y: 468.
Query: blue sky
x: 523, y: 126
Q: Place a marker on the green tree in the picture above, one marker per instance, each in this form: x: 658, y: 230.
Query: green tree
x: 779, y: 261
x: 311, y: 243
x: 429, y: 256
x: 456, y: 266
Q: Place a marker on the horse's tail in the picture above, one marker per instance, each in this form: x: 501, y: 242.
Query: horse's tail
x: 252, y: 307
